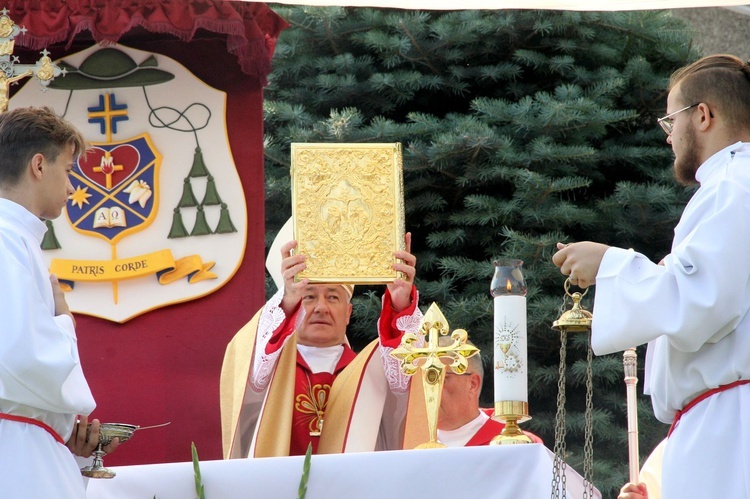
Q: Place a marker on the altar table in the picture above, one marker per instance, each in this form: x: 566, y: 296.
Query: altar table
x: 503, y: 472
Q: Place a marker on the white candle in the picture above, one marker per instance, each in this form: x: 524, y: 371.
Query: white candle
x: 510, y: 356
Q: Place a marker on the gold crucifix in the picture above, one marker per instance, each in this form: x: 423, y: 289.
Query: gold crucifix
x: 433, y: 359
x: 11, y: 71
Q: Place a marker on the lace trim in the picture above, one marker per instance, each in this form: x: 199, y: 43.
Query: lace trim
x: 397, y: 380
x: 410, y: 323
x: 271, y: 317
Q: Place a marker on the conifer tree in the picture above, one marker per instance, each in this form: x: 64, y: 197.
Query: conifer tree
x: 520, y: 129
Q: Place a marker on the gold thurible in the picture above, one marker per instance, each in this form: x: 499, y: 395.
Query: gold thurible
x: 575, y: 320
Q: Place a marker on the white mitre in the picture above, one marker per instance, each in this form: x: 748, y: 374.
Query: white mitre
x: 273, y: 261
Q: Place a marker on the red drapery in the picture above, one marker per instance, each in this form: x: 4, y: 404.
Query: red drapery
x: 251, y: 29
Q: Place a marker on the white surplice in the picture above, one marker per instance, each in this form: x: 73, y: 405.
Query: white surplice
x: 40, y: 371
x: 693, y: 312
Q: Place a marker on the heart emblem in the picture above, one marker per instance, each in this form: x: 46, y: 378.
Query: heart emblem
x: 109, y: 168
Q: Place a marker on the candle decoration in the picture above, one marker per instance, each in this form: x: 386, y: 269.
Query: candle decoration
x: 508, y: 290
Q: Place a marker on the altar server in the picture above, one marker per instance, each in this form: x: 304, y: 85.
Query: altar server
x: 44, y: 397
x: 692, y: 309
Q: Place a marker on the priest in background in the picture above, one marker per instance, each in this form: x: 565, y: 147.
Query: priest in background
x: 290, y: 379
x: 461, y: 423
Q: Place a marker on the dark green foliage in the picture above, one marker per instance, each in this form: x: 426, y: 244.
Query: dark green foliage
x: 520, y: 129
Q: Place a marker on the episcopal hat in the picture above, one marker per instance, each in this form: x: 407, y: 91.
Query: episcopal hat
x: 110, y: 68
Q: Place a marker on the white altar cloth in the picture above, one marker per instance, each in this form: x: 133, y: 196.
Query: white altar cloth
x: 503, y: 472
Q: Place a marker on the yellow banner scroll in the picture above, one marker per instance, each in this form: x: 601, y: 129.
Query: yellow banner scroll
x: 160, y: 262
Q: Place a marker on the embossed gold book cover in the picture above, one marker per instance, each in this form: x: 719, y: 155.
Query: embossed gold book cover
x: 348, y: 210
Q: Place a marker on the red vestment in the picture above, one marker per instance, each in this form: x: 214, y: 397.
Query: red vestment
x: 311, y: 394
x: 265, y: 410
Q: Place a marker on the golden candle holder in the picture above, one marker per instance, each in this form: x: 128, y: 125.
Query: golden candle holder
x: 433, y: 359
x: 511, y: 412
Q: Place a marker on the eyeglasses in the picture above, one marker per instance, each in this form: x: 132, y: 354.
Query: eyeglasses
x: 667, y: 123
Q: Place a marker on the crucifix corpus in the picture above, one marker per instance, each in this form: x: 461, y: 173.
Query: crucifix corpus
x: 11, y: 70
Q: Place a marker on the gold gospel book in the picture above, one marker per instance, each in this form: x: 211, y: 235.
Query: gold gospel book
x: 348, y: 211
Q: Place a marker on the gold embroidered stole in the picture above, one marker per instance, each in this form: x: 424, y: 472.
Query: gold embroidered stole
x: 416, y: 431
x: 233, y: 383
x: 343, y: 397
x: 274, y: 430
x: 353, y: 415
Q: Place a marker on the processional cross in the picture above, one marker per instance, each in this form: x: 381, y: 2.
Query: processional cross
x: 433, y: 359
x: 11, y: 70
